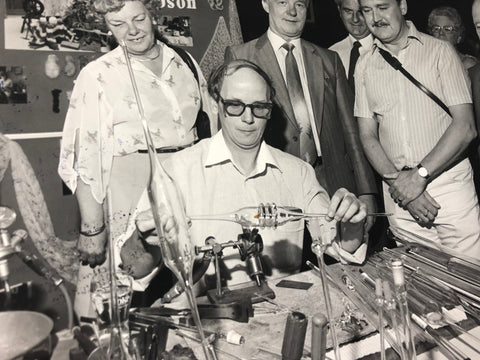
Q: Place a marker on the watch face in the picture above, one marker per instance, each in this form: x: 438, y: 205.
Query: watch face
x: 423, y: 172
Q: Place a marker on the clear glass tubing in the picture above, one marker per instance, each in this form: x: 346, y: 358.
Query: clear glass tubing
x: 265, y: 215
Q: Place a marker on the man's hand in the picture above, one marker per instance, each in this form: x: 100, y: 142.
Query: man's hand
x: 424, y: 209
x: 406, y: 186
x: 92, y: 249
x: 345, y: 207
x: 371, y: 203
x: 146, y: 226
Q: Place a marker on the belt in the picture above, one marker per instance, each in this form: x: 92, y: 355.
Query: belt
x: 167, y: 149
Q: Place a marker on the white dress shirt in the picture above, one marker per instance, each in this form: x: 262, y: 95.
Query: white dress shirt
x: 281, y: 53
x: 344, y: 47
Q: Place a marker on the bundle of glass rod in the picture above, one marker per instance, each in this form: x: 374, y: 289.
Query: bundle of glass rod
x: 435, y: 292
x: 459, y: 277
x: 362, y: 292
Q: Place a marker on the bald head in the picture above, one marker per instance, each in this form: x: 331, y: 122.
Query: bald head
x: 476, y: 16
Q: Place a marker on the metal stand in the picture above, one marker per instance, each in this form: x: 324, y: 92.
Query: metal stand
x: 250, y: 247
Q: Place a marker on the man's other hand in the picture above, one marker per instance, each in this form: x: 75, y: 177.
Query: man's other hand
x: 406, y: 186
x: 346, y: 207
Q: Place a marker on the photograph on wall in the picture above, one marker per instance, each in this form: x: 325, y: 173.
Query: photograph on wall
x: 13, y: 85
x: 176, y: 30
x: 64, y: 25
x: 70, y: 25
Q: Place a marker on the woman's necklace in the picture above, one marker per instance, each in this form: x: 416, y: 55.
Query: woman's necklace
x: 149, y: 57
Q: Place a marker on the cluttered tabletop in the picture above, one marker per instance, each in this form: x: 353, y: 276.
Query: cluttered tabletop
x: 429, y: 310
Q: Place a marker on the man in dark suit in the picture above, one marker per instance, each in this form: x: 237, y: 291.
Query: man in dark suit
x: 322, y: 129
x: 474, y: 73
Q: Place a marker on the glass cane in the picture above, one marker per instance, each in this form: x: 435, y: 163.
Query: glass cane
x: 322, y: 234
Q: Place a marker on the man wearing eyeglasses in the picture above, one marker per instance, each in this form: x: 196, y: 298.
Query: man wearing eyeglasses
x: 312, y: 117
x: 417, y: 143
x: 236, y: 169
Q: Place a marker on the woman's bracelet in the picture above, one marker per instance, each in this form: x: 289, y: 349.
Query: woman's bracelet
x: 94, y: 232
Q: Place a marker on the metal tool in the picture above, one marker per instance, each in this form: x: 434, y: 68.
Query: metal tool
x: 250, y: 246
x: 7, y: 245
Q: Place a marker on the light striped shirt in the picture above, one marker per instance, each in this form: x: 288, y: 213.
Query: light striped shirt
x: 410, y: 123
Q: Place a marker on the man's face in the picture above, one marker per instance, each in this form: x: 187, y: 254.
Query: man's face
x: 385, y: 19
x: 353, y: 19
x: 243, y: 132
x: 286, y: 17
x: 476, y: 16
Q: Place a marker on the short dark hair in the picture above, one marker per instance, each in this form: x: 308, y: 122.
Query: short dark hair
x: 106, y: 6
x: 217, y: 77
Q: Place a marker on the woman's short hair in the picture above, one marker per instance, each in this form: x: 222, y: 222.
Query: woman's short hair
x: 450, y: 13
x: 106, y: 6
x: 216, y: 78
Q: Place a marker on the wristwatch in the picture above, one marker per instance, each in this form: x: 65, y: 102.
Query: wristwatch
x: 423, y: 172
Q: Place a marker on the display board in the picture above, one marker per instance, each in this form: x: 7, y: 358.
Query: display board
x: 43, y: 46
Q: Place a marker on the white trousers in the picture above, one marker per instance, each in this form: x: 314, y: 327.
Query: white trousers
x: 457, y: 225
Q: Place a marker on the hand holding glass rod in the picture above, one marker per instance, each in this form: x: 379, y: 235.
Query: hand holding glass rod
x: 266, y: 215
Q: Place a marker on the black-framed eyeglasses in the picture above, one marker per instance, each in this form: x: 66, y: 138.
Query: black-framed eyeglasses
x: 447, y: 29
x: 237, y: 108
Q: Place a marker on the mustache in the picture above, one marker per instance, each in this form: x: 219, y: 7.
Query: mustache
x: 380, y: 23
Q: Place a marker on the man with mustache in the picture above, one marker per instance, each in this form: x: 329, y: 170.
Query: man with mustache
x: 412, y: 141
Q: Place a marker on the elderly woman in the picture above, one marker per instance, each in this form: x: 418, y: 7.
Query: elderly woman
x: 445, y: 23
x: 103, y: 144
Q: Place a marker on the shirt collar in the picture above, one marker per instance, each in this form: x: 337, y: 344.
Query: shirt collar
x: 413, y: 34
x: 220, y: 153
x: 277, y: 41
x: 366, y: 42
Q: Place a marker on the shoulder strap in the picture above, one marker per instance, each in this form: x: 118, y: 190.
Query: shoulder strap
x: 186, y: 59
x: 202, y: 123
x: 397, y: 65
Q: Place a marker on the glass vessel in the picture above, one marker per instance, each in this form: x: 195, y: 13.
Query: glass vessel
x: 170, y: 220
x: 265, y: 215
x: 112, y: 318
x: 401, y: 295
x: 323, y: 234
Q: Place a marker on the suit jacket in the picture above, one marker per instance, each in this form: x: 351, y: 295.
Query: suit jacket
x: 343, y: 159
x: 474, y: 148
